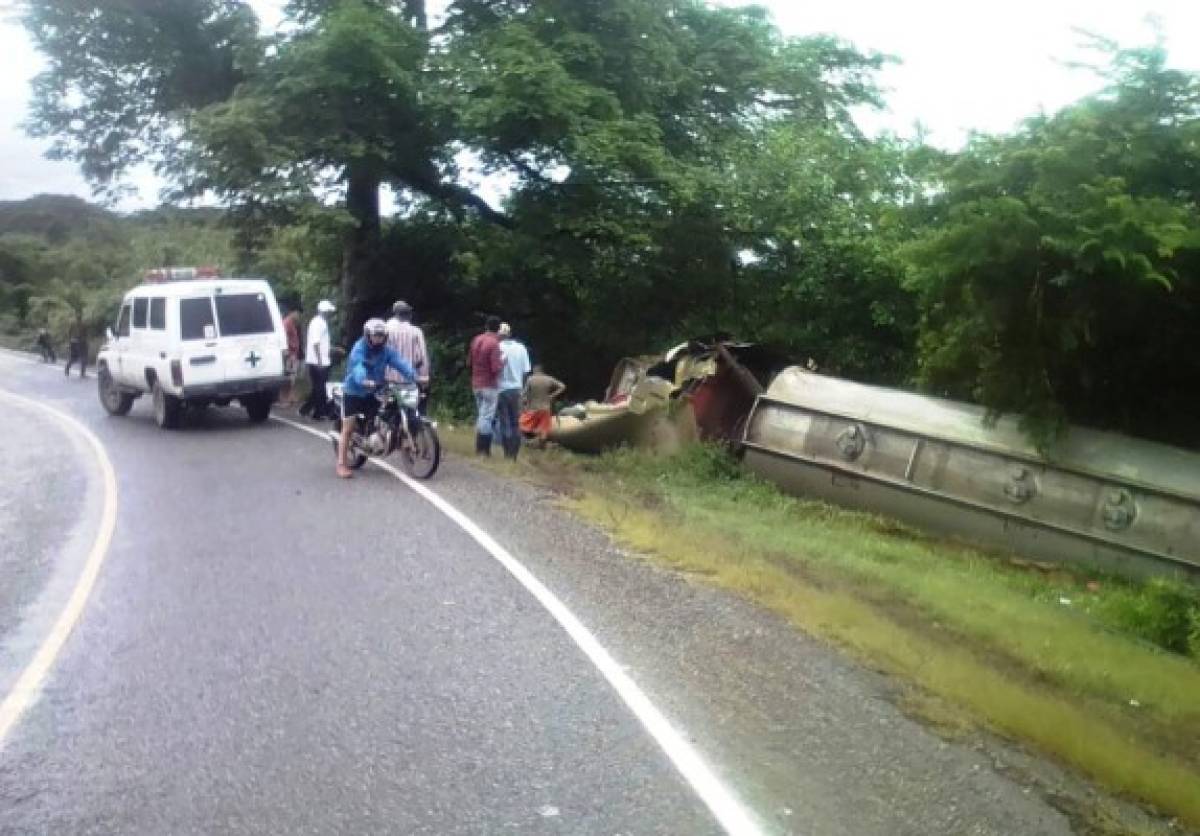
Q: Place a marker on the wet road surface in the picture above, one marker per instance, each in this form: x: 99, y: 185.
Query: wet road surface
x: 270, y: 649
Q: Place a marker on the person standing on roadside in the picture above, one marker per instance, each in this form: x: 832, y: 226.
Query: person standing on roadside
x: 316, y: 357
x: 512, y: 382
x: 540, y: 391
x: 291, y: 330
x: 45, y: 347
x: 77, y: 347
x: 485, y: 361
x: 409, y: 342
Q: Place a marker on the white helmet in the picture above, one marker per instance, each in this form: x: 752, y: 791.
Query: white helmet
x: 325, y: 306
x: 374, y: 327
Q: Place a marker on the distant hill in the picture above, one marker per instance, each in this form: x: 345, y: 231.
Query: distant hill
x: 58, y: 218
x: 70, y: 238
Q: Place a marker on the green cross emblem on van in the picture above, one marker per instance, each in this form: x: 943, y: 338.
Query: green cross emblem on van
x: 253, y: 358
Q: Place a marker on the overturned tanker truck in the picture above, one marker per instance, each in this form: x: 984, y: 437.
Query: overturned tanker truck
x: 1116, y: 503
x: 1113, y: 502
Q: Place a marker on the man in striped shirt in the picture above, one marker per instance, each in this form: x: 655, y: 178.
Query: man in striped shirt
x: 409, y: 341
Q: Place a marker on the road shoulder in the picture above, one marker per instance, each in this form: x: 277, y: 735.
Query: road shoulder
x: 812, y: 742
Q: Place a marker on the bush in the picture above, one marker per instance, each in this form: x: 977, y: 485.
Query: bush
x: 1194, y: 633
x: 450, y: 394
x: 1164, y: 612
x: 710, y: 461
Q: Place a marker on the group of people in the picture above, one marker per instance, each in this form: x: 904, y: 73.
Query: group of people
x: 387, y: 351
x: 77, y: 348
x: 511, y: 396
x: 315, y: 351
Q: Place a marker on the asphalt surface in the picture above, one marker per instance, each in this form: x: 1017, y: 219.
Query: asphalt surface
x: 270, y: 649
x: 45, y: 518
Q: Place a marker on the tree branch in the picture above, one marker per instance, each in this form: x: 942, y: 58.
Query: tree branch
x: 429, y: 184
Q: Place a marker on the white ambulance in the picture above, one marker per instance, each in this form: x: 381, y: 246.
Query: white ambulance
x: 189, y: 338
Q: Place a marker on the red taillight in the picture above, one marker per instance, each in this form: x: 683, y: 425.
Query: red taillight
x: 177, y: 372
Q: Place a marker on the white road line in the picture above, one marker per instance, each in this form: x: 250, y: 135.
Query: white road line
x: 723, y: 804
x: 29, y: 684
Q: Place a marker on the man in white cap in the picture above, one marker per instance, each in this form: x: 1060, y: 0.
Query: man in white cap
x: 316, y: 357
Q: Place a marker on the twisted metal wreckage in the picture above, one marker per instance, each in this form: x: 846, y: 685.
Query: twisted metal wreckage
x: 1109, y: 501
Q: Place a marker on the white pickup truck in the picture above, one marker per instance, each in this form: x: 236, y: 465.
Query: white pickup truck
x: 194, y: 342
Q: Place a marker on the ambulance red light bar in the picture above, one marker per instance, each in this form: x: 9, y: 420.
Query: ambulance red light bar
x: 175, y: 274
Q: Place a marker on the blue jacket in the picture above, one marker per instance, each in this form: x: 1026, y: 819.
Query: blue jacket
x: 365, y: 364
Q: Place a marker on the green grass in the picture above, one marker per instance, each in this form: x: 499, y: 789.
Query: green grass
x: 1063, y: 660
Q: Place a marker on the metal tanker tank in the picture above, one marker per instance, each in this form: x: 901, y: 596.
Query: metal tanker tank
x: 1118, y: 503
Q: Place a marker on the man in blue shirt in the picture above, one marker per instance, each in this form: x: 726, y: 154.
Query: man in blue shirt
x: 365, y: 368
x: 512, y: 382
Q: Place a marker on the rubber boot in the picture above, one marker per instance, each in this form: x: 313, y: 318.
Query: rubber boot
x: 483, y: 444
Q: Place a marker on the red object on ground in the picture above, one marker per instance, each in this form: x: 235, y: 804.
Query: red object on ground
x: 536, y: 422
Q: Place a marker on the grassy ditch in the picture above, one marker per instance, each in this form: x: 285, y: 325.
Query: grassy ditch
x: 1098, y: 672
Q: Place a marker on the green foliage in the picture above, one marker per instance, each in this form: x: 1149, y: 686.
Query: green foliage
x: 451, y: 392
x: 1161, y: 612
x: 121, y: 77
x: 630, y: 129
x: 708, y: 463
x: 341, y: 93
x: 302, y: 257
x: 62, y: 304
x: 168, y: 237
x: 637, y: 133
x: 675, y: 168
x: 71, y: 261
x: 818, y: 278
x: 1058, y: 270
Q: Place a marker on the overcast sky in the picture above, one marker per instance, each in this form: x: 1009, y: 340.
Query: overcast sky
x: 964, y: 66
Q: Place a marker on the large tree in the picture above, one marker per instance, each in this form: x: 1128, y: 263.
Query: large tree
x: 262, y: 122
x: 616, y: 124
x: 622, y: 125
x: 123, y: 77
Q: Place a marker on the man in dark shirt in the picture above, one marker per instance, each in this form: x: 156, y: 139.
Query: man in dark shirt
x: 46, y: 347
x: 78, y: 347
x: 485, y: 360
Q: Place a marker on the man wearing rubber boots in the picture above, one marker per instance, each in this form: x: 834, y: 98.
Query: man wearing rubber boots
x: 486, y: 361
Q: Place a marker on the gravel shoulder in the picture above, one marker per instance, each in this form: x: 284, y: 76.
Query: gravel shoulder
x: 811, y: 741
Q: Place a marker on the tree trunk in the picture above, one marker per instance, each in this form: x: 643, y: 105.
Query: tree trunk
x: 361, y: 246
x: 414, y: 12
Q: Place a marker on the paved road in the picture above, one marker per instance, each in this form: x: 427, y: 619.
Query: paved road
x: 269, y: 649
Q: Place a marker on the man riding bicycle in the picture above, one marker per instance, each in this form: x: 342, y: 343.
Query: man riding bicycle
x: 366, y: 368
